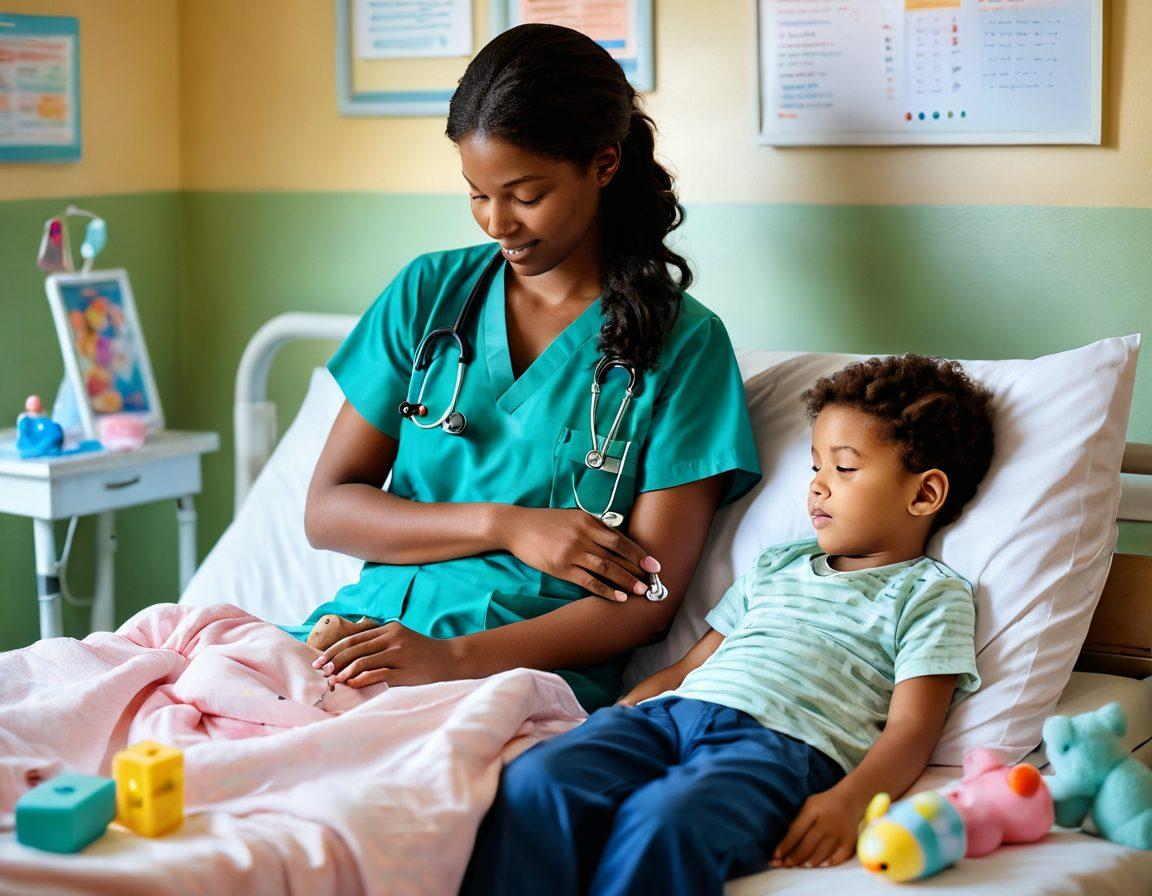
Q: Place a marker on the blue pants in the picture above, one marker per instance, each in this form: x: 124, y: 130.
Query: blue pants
x: 672, y: 797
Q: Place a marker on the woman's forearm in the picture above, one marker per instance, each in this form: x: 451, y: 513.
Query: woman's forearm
x: 365, y: 522
x: 582, y: 633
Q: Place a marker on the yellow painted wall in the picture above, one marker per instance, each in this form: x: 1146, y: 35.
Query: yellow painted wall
x: 258, y: 98
x: 129, y: 104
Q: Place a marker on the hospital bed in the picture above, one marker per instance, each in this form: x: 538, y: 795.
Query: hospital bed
x: 284, y: 578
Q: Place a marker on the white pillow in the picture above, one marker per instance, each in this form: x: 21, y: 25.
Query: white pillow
x: 263, y: 562
x: 1036, y: 541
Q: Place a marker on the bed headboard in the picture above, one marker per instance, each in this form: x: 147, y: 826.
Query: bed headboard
x: 1119, y: 640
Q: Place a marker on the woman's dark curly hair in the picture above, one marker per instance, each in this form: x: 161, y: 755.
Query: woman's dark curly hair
x: 557, y: 93
x: 929, y: 408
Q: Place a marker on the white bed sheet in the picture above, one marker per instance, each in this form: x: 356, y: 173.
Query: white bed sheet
x: 1065, y: 864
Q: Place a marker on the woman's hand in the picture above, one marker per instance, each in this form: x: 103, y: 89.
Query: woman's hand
x: 824, y: 833
x: 394, y: 654
x: 578, y: 547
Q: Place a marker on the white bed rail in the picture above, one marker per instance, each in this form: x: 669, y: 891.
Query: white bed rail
x: 253, y: 415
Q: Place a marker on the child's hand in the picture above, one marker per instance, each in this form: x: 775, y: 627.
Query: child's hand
x: 824, y: 833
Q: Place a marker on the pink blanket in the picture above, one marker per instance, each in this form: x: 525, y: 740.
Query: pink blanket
x: 290, y: 787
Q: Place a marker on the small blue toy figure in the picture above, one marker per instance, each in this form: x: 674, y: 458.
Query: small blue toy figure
x: 37, y: 434
x: 1095, y: 773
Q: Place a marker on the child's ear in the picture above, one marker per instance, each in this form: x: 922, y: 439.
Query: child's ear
x: 930, y: 494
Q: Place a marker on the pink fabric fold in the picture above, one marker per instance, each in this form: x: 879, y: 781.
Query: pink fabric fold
x: 291, y: 786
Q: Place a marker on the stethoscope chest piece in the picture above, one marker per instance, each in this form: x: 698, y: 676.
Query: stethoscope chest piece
x: 455, y: 423
x: 594, y: 459
x: 657, y: 590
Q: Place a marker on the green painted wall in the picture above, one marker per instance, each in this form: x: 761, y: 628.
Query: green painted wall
x: 964, y: 281
x: 144, y: 238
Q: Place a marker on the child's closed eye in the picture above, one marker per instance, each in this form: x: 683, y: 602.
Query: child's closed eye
x: 846, y: 469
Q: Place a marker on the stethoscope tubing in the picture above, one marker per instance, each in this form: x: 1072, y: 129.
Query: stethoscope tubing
x: 454, y: 422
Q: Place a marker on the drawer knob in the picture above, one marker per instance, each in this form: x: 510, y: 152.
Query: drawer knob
x: 113, y: 486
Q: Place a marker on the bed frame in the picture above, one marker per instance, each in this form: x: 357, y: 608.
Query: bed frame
x: 1119, y: 640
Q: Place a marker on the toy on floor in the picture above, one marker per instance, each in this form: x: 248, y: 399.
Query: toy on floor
x: 66, y: 813
x: 149, y: 788
x: 926, y: 833
x: 1095, y: 774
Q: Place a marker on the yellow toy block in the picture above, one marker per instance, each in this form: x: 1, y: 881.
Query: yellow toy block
x: 149, y: 788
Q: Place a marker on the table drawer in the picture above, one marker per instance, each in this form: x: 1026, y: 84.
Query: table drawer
x: 98, y: 490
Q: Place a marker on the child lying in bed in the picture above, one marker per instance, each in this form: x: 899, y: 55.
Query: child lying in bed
x: 825, y: 677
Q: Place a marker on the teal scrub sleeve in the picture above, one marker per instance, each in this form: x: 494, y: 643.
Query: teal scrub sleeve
x: 700, y: 424
x: 374, y: 364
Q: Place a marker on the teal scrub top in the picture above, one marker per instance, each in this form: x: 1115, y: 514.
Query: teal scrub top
x: 525, y: 442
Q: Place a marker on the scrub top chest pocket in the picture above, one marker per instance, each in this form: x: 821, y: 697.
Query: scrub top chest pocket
x: 571, y: 474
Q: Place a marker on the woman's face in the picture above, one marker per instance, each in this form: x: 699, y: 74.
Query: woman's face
x: 539, y: 210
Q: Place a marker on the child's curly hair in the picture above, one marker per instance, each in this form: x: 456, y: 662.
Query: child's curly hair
x: 929, y: 408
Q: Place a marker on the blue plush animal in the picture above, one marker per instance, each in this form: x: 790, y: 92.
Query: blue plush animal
x: 1094, y: 773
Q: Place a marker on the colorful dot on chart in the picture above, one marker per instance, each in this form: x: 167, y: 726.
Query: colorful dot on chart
x: 921, y: 116
x: 963, y: 114
x: 907, y: 116
x: 949, y: 113
x: 935, y: 114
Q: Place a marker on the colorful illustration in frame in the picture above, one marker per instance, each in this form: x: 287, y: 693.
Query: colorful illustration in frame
x: 105, y: 356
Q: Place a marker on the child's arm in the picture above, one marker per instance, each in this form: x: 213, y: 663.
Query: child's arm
x: 669, y: 678
x: 826, y: 829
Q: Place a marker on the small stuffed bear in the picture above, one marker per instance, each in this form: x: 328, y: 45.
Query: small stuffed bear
x: 1094, y: 773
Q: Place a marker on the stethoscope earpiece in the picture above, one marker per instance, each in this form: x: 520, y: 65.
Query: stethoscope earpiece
x: 409, y: 410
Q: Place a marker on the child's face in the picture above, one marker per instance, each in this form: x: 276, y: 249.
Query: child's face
x: 862, y: 501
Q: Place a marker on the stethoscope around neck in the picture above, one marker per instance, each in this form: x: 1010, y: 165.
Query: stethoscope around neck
x: 453, y: 421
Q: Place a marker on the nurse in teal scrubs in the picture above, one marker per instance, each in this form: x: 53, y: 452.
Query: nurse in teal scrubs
x: 478, y: 557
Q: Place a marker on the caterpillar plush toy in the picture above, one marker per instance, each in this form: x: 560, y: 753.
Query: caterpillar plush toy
x: 926, y: 833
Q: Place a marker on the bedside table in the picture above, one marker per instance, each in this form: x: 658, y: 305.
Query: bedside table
x: 45, y: 489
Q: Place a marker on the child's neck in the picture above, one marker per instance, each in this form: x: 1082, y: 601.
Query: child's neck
x: 875, y: 559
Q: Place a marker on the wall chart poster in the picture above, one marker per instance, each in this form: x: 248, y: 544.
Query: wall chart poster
x: 39, y: 88
x: 930, y: 71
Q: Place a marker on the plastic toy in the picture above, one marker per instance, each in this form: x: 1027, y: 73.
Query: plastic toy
x: 911, y: 839
x: 37, y: 435
x: 149, y: 788
x: 66, y: 813
x: 926, y: 833
x: 122, y: 432
x: 1095, y: 774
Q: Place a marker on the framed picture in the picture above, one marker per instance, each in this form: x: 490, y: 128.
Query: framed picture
x: 39, y: 88
x: 396, y: 58
x: 405, y: 59
x: 622, y: 27
x: 105, y: 358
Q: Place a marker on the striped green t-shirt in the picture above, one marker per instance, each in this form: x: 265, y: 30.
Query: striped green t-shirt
x: 815, y: 653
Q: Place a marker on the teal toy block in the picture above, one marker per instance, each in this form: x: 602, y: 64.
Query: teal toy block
x: 66, y: 813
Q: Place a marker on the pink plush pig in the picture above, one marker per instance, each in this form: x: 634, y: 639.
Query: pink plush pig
x: 1000, y: 804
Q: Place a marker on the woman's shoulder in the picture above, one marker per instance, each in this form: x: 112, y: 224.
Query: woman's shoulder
x: 464, y: 263
x: 696, y: 328
x: 430, y: 279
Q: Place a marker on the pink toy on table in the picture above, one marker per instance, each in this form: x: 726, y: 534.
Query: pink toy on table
x: 1000, y: 804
